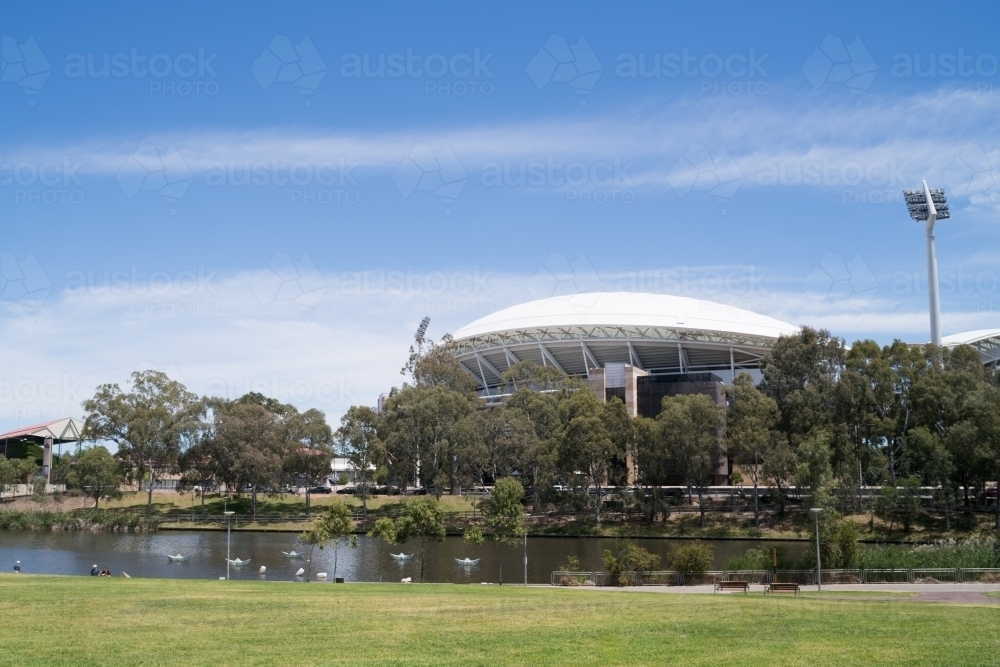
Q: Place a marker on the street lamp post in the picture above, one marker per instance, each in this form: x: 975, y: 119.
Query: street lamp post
x: 929, y: 206
x: 229, y: 521
x: 526, y: 516
x: 819, y: 565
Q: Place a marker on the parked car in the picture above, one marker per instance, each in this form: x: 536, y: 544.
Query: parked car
x: 321, y: 489
x: 347, y: 490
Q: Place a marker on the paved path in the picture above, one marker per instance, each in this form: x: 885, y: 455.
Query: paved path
x: 962, y: 593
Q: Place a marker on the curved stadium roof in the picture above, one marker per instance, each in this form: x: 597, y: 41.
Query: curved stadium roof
x: 659, y: 333
x: 987, y: 341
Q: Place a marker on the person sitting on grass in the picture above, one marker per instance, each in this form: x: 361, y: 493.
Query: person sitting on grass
x: 17, y: 567
x: 94, y: 571
x: 105, y: 572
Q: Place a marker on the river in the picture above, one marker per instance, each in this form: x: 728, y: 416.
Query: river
x: 145, y: 555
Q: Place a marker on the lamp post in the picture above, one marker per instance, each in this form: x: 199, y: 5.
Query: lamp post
x: 229, y: 521
x: 526, y: 516
x: 819, y: 565
x: 929, y: 206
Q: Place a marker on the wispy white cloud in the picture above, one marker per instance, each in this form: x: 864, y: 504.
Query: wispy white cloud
x: 228, y: 334
x: 891, y: 140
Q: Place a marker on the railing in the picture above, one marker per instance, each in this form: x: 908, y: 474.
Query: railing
x: 763, y: 577
x: 842, y: 577
x: 564, y: 578
x: 879, y: 576
x: 989, y: 575
x: 935, y: 575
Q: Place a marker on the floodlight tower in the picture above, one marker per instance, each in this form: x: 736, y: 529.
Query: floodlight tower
x: 930, y: 206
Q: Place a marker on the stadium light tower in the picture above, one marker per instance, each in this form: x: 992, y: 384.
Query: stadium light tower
x: 929, y: 206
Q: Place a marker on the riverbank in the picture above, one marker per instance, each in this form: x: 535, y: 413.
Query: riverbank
x: 174, y: 511
x: 140, y: 621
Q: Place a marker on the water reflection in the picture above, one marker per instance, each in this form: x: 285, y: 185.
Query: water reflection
x: 145, y: 555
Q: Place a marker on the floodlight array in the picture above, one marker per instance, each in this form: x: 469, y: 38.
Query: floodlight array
x: 916, y: 201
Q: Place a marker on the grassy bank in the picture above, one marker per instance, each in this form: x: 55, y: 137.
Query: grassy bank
x: 75, y: 520
x: 176, y: 622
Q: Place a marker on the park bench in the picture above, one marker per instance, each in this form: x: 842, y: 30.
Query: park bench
x: 726, y: 586
x: 782, y: 588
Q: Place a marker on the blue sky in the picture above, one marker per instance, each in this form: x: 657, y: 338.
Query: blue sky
x: 252, y: 196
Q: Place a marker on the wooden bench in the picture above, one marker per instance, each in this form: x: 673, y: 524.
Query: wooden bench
x: 782, y: 588
x: 726, y: 586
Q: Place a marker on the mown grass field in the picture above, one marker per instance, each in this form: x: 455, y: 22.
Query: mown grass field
x: 90, y: 621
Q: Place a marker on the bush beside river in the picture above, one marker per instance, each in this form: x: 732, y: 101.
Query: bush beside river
x: 76, y: 520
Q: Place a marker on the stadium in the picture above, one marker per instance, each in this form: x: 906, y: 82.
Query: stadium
x: 638, y: 346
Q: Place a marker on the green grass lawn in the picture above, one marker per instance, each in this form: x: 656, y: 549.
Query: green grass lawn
x: 90, y: 621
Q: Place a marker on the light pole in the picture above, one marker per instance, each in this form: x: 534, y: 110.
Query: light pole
x: 526, y: 516
x: 819, y: 565
x: 229, y: 521
x: 930, y: 206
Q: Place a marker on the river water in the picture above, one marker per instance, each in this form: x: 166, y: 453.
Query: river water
x: 145, y: 555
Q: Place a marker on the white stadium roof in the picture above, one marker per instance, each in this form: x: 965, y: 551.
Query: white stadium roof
x: 657, y: 332
x: 987, y: 341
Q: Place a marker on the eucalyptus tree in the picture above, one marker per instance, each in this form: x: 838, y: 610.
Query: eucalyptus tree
x: 98, y: 474
x: 652, y: 461
x: 750, y: 432
x: 926, y: 445
x: 801, y: 376
x: 248, y: 447
x: 586, y: 442
x: 944, y: 402
x: 507, y: 435
x: 542, y: 457
x: 503, y: 517
x: 417, y: 424
x: 358, y: 440
x: 152, y: 423
x: 433, y: 364
x: 309, y: 449
x: 692, y: 431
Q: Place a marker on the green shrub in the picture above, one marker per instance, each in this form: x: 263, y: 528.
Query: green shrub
x: 76, y: 520
x: 949, y: 554
x: 626, y: 558
x: 695, y: 557
x: 838, y: 544
x: 754, y: 558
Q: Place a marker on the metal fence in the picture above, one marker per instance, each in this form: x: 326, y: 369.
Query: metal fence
x: 563, y: 578
x: 888, y: 576
x: 935, y: 575
x: 763, y: 577
x: 986, y: 575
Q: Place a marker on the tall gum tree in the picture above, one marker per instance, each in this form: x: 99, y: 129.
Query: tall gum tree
x: 152, y: 423
x: 750, y: 437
